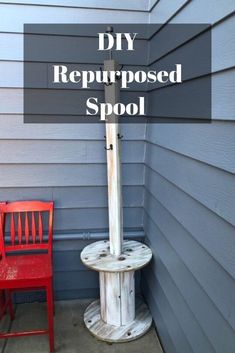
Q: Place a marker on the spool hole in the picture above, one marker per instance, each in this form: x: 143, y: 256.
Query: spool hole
x: 121, y: 258
x: 103, y: 255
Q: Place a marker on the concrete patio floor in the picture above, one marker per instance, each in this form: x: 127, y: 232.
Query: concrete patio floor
x: 71, y: 336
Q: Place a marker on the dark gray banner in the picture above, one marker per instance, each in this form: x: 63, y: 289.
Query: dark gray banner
x: 163, y: 71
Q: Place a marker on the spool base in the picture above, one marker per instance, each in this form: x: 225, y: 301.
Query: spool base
x: 110, y: 333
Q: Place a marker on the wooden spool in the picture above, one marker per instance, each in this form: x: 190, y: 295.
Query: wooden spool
x: 116, y: 317
x: 111, y: 333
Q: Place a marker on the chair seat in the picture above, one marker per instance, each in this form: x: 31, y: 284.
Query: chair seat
x: 17, y: 268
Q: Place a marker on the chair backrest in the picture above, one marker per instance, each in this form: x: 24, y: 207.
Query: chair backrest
x: 27, y: 221
x: 2, y: 223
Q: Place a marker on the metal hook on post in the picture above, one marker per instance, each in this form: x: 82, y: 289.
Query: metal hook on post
x: 109, y: 83
x: 119, y: 76
x: 110, y: 148
x: 120, y: 137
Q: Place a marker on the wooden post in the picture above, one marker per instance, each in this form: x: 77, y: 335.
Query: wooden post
x: 116, y: 318
x: 114, y: 167
x: 117, y: 297
x: 110, y: 291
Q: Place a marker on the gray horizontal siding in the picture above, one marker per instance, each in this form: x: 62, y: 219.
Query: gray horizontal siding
x: 87, y: 220
x: 192, y: 332
x: 75, y: 197
x: 194, y: 253
x: 221, y: 47
x: 197, y: 12
x: 214, y: 330
x: 165, y: 52
x: 212, y: 144
x: 79, y: 208
x: 189, y: 200
x: 28, y: 152
x: 201, y: 234
x: 163, y: 42
x: 13, y: 127
x: 19, y: 15
x: 223, y: 50
x: 164, y: 10
x: 61, y: 175
x: 175, y: 330
x: 160, y: 316
x: 115, y: 5
x: 223, y: 95
x: 94, y: 218
x: 65, y: 163
x: 217, y: 192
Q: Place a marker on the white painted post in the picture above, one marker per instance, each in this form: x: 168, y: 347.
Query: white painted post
x: 127, y: 286
x: 115, y: 318
x: 110, y: 291
x: 110, y: 298
x: 117, y: 297
x: 114, y: 167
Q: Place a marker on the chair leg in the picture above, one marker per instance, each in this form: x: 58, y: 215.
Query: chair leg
x: 53, y: 297
x: 2, y: 304
x: 50, y: 313
x: 11, y: 308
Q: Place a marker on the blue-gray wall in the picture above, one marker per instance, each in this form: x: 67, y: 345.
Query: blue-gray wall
x: 179, y: 186
x: 189, y: 207
x: 65, y: 163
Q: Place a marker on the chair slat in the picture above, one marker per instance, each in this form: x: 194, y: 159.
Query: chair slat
x: 26, y: 228
x: 12, y: 229
x: 40, y: 227
x: 19, y: 228
x: 27, y: 225
x: 2, y: 235
x: 33, y: 228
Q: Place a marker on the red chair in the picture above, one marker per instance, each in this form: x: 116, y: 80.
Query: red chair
x: 27, y: 255
x: 5, y: 298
